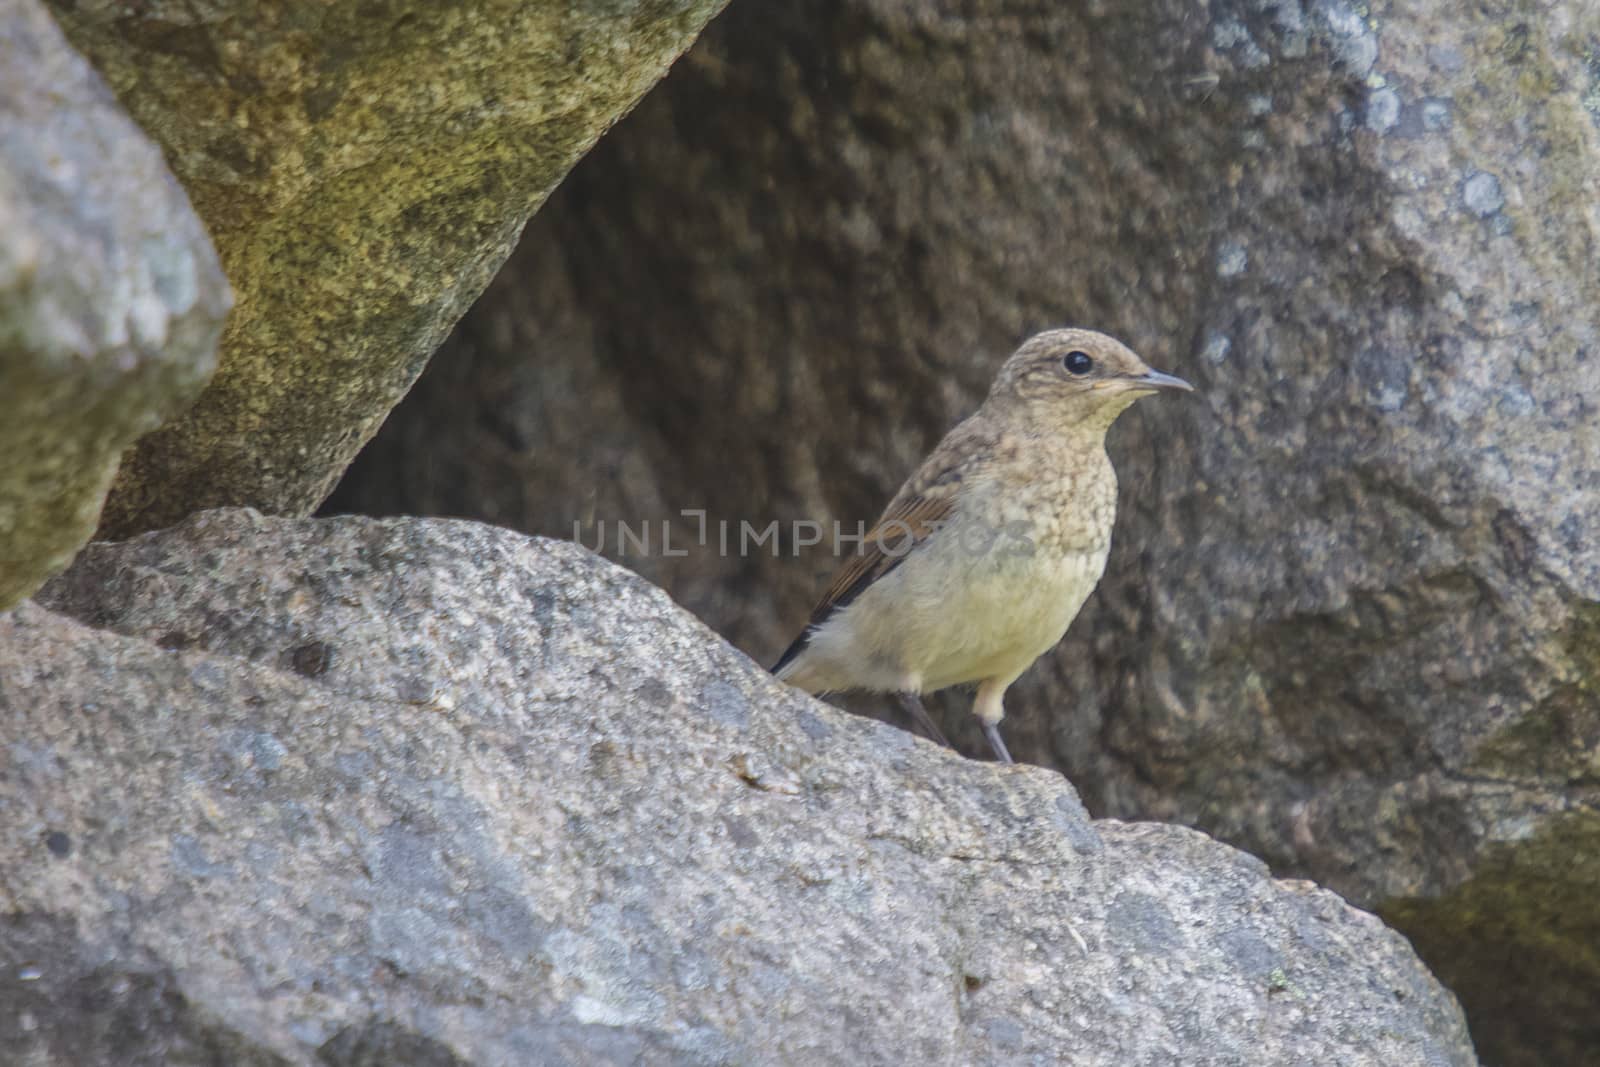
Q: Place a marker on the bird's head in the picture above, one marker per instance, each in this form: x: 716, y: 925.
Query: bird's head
x: 1076, y: 378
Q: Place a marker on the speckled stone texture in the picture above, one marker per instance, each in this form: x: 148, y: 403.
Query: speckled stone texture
x: 428, y: 792
x: 364, y: 167
x: 1350, y: 621
x: 111, y: 298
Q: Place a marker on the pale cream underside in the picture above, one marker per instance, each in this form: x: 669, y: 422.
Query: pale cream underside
x: 950, y: 615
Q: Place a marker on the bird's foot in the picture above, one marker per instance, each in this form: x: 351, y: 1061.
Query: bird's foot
x: 991, y: 730
x: 919, y: 714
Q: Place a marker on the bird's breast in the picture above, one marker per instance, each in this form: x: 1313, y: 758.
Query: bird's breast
x: 1063, y: 510
x: 990, y: 591
x: 996, y: 612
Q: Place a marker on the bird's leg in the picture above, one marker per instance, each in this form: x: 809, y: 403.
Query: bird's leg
x: 991, y: 730
x: 989, y: 709
x: 919, y: 714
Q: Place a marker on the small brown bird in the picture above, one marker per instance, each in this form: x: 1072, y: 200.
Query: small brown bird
x: 984, y: 557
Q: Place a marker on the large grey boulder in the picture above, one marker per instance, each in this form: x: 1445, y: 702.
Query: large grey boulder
x: 111, y: 298
x: 1352, y: 617
x: 364, y: 166
x: 427, y: 792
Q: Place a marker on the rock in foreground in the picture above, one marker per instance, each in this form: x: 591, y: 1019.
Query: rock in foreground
x: 341, y: 792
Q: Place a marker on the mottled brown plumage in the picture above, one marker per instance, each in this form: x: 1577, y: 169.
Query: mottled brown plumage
x: 983, y: 558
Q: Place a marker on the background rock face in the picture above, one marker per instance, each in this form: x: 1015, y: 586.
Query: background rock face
x: 364, y: 168
x: 111, y: 299
x: 341, y: 792
x: 1350, y: 621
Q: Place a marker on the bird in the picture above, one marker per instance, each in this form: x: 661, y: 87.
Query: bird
x: 986, y: 554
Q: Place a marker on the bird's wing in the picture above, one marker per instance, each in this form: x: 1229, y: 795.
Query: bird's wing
x: 926, y: 501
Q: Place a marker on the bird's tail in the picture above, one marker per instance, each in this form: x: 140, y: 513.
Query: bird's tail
x: 803, y: 671
x: 786, y: 665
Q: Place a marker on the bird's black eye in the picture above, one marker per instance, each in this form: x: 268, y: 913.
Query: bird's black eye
x: 1077, y: 363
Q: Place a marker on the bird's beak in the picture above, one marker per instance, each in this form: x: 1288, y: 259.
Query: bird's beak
x: 1156, y: 380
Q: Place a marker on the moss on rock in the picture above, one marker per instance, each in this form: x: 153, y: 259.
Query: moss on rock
x: 364, y: 168
x: 1519, y: 943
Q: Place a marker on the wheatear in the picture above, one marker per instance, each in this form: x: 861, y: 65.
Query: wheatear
x: 984, y: 557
